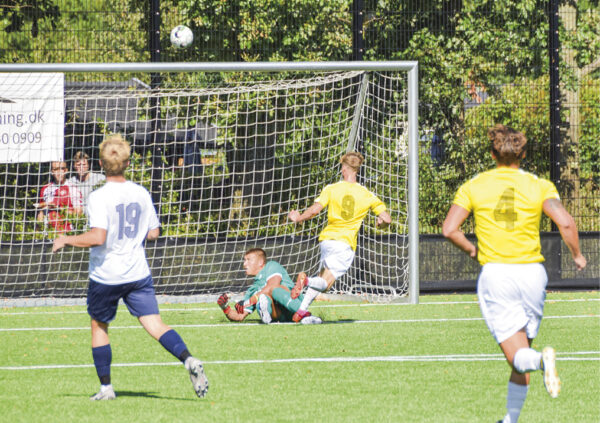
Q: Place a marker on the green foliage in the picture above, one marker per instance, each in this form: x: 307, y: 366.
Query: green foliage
x: 263, y: 30
x: 590, y: 131
x: 16, y: 14
x: 497, y: 47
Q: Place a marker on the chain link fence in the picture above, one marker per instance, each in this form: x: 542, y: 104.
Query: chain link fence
x: 533, y: 65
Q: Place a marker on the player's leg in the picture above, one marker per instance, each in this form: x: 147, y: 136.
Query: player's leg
x: 141, y: 302
x: 534, y: 297
x: 511, y: 299
x: 102, y: 355
x: 336, y: 259
x: 282, y: 297
x: 266, y: 309
x: 326, y: 278
x: 102, y: 302
x: 522, y: 360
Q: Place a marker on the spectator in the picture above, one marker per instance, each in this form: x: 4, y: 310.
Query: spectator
x: 58, y: 198
x: 84, y: 180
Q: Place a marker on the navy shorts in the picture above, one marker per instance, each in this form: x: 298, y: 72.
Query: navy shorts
x: 103, y: 299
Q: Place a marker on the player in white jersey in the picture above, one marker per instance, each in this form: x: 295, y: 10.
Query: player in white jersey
x: 507, y: 205
x: 121, y: 217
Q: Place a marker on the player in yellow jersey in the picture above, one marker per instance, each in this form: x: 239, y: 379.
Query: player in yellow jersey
x: 348, y: 203
x: 507, y: 205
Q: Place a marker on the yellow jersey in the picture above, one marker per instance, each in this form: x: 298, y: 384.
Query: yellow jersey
x: 348, y: 203
x: 507, y: 207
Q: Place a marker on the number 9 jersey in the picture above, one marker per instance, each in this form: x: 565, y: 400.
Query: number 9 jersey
x: 507, y: 207
x: 126, y: 212
x: 348, y: 204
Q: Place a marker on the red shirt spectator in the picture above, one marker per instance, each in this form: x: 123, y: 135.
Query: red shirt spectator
x: 57, y: 196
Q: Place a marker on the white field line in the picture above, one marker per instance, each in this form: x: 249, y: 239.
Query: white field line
x: 564, y: 356
x: 316, y: 305
x: 233, y: 325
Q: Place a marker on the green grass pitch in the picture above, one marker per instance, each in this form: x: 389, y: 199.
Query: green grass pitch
x: 431, y: 362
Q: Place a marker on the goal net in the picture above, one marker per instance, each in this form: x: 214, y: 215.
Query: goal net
x: 225, y: 157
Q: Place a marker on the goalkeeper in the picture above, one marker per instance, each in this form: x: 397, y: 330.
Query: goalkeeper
x: 269, y: 293
x: 348, y: 203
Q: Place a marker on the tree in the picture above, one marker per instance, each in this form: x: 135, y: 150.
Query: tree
x: 581, y: 56
x: 17, y: 13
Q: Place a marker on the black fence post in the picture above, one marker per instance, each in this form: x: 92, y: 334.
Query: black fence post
x: 555, y: 122
x: 155, y: 81
x: 358, y: 41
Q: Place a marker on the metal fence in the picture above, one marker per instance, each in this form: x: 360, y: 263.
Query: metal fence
x: 534, y: 65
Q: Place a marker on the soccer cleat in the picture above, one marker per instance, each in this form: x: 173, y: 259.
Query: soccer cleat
x: 263, y: 309
x: 197, y: 376
x: 311, y: 320
x: 299, y: 315
x: 551, y: 379
x: 104, y: 394
x: 301, y: 282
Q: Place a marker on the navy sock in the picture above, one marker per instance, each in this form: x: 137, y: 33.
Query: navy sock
x: 102, y: 359
x: 173, y: 343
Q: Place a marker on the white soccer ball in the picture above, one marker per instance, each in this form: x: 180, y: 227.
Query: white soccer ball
x: 181, y: 36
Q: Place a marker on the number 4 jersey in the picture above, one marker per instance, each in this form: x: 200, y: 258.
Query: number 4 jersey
x: 126, y: 212
x: 507, y: 207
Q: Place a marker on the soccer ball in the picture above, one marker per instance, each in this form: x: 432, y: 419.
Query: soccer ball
x: 181, y: 36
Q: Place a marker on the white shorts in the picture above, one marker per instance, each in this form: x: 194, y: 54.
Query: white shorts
x: 337, y: 256
x: 511, y: 298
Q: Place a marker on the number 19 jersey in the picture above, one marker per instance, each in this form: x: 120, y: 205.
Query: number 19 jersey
x: 507, y: 207
x: 126, y: 212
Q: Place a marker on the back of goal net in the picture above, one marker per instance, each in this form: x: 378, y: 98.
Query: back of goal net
x: 225, y: 157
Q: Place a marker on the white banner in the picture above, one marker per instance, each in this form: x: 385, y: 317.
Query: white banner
x: 32, y: 117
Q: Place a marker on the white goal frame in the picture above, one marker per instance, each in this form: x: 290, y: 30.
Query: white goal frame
x: 411, y: 67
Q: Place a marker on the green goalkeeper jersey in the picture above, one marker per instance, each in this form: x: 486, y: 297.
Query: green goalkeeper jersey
x: 272, y: 268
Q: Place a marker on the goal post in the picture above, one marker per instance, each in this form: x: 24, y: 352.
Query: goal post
x: 226, y: 150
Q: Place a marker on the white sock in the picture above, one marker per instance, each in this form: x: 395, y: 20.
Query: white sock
x: 317, y: 283
x: 514, y: 402
x: 105, y: 387
x: 527, y: 360
x: 309, y: 297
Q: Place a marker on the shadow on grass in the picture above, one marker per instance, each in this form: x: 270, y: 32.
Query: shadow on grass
x: 149, y: 395
x: 340, y: 321
x: 140, y: 394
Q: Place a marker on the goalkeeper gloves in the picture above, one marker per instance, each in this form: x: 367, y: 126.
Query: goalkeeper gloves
x: 239, y: 307
x: 222, y: 301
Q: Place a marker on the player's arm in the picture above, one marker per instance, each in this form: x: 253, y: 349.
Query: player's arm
x: 91, y: 238
x: 554, y: 209
x: 272, y: 282
x: 309, y: 213
x: 383, y: 220
x: 231, y: 313
x: 153, y: 234
x: 451, y: 230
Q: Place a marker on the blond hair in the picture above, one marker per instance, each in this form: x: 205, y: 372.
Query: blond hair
x: 353, y: 160
x: 507, y: 144
x: 114, y: 153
